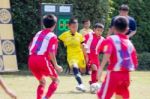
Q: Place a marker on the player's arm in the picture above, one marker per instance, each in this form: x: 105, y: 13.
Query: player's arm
x: 84, y: 51
x: 103, y: 63
x: 52, y: 47
x: 132, y: 34
x: 84, y: 47
x: 107, y: 50
x: 54, y: 61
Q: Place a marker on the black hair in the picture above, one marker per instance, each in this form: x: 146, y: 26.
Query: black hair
x: 121, y: 23
x: 73, y: 21
x: 85, y: 20
x: 98, y: 25
x: 124, y: 7
x: 49, y: 20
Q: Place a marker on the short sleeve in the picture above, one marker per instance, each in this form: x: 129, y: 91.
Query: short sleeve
x: 101, y: 47
x: 62, y: 37
x: 132, y: 24
x: 82, y: 39
x: 107, y: 47
x: 134, y: 57
x: 86, y: 37
x: 52, y: 46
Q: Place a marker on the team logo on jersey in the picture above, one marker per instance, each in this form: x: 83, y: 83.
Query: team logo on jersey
x: 1, y: 64
x: 5, y: 16
x: 8, y: 47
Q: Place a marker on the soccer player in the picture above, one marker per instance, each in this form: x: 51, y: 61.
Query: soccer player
x: 123, y: 11
x: 6, y: 89
x: 74, y: 43
x: 86, y: 27
x: 42, y: 61
x: 93, y: 43
x: 121, y: 54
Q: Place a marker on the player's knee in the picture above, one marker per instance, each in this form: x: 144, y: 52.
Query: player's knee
x: 55, y: 80
x: 94, y: 67
x: 42, y: 82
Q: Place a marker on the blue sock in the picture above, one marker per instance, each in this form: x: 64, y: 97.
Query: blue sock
x: 77, y: 75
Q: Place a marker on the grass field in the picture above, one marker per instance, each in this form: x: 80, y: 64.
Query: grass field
x: 25, y: 87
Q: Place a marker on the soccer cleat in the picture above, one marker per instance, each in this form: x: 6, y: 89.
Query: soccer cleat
x: 81, y: 87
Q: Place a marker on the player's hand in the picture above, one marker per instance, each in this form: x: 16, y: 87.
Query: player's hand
x: 59, y: 68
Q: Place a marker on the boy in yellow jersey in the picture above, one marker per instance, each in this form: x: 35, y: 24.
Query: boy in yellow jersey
x: 76, y: 55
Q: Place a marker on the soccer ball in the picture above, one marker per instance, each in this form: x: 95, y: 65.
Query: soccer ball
x: 94, y: 87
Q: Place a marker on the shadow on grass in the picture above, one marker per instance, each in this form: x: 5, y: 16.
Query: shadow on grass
x: 28, y: 73
x: 73, y: 92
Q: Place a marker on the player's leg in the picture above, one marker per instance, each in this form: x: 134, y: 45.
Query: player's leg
x: 108, y: 87
x: 118, y: 97
x: 122, y: 91
x: 41, y: 87
x: 6, y: 89
x: 93, y: 74
x: 51, y: 72
x: 78, y: 78
x: 52, y: 88
x: 36, y: 65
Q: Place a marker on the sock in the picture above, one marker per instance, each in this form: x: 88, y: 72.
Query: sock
x: 52, y: 88
x: 77, y: 75
x: 40, y: 91
x: 94, y: 76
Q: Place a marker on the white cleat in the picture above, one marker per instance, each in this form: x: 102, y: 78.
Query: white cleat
x: 81, y: 87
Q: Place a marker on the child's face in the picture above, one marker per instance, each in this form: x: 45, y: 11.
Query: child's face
x: 98, y: 31
x: 87, y: 24
x: 73, y: 27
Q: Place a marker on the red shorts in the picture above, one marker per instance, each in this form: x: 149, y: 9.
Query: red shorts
x: 115, y: 82
x: 40, y: 66
x: 93, y: 60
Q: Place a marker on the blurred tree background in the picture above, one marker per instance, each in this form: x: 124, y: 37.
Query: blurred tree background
x: 26, y: 20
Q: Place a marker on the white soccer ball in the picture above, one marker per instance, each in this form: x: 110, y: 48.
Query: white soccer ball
x: 94, y: 87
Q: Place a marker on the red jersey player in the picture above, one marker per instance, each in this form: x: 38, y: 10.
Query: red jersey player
x: 42, y: 61
x: 121, y: 54
x: 93, y: 43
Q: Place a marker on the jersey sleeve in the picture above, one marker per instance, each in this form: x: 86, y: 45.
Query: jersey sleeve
x: 52, y: 46
x: 86, y: 37
x: 82, y: 40
x: 107, y: 47
x: 133, y: 24
x: 134, y: 58
x: 62, y: 37
x: 101, y: 47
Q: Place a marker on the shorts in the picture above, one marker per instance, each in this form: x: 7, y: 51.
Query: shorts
x: 76, y: 59
x: 40, y: 66
x: 115, y: 82
x: 93, y: 60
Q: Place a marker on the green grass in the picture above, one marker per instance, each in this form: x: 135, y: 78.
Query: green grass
x: 25, y: 87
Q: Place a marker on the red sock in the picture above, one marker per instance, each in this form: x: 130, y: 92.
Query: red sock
x: 40, y: 91
x: 52, y: 88
x: 94, y: 76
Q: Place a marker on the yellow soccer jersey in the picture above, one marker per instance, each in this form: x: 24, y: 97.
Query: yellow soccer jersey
x: 85, y: 31
x: 74, y: 50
